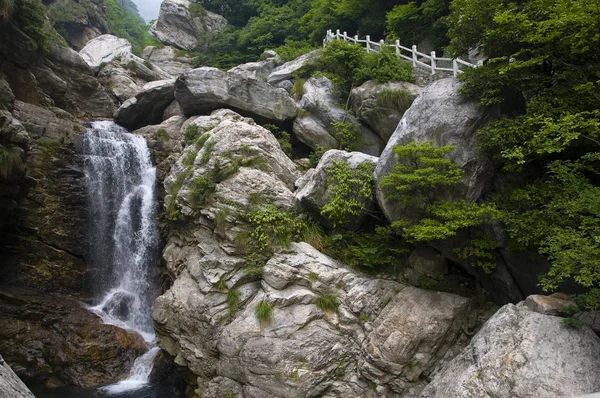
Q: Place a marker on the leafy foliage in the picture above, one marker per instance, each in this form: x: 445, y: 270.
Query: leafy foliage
x: 415, y: 21
x: 350, y: 190
x: 123, y: 24
x: 417, y: 181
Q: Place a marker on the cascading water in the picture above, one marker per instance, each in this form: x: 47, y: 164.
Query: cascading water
x: 124, y: 239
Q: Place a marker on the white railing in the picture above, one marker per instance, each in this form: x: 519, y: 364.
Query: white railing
x: 418, y: 59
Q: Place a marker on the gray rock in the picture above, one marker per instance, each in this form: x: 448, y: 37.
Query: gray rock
x: 287, y: 85
x: 205, y: 89
x: 554, y: 304
x: 315, y: 192
x: 104, y: 49
x: 286, y: 71
x: 428, y: 262
x: 172, y: 110
x: 254, y: 70
x: 177, y: 27
x: 519, y: 353
x: 168, y: 59
x: 10, y: 385
x: 320, y: 110
x: 441, y: 116
x: 148, y: 106
x: 370, y: 105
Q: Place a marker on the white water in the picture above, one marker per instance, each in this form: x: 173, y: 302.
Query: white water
x: 121, y: 181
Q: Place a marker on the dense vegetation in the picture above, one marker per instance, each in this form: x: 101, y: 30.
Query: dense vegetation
x: 293, y: 27
x: 124, y: 24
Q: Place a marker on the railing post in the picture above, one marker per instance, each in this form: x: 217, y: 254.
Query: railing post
x: 368, y: 43
x: 455, y: 67
x: 356, y: 38
x: 337, y: 34
x: 433, y: 63
x: 414, y: 55
x: 345, y: 36
x: 381, y: 44
x: 397, y: 48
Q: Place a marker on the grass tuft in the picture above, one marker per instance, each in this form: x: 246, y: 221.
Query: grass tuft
x: 264, y: 313
x: 328, y: 303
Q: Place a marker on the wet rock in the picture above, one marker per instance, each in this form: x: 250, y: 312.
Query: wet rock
x: 48, y: 335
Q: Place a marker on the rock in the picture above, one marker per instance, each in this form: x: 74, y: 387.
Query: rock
x: 10, y: 385
x: 320, y: 110
x: 428, y: 262
x: 440, y: 115
x: 254, y: 70
x: 168, y: 59
x: 172, y: 110
x: 381, y: 106
x: 51, y: 205
x: 103, y: 49
x: 520, y: 353
x: 6, y: 95
x: 77, y: 348
x: 554, y: 304
x: 176, y: 26
x: 205, y: 89
x: 82, y: 22
x: 148, y: 106
x: 316, y: 188
x: 287, y: 85
x: 166, y: 141
x: 286, y: 71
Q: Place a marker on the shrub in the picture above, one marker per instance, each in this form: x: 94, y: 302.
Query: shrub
x: 202, y: 187
x: 264, y: 313
x: 350, y: 190
x: 189, y: 158
x: 192, y: 132
x: 348, y: 135
x: 196, y: 10
x: 399, y: 100
x: 233, y: 300
x: 292, y: 49
x: 298, y: 88
x: 283, y: 138
x: 316, y: 155
x: 328, y: 303
x: 162, y: 134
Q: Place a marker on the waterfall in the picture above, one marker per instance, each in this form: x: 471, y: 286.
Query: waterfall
x: 121, y: 182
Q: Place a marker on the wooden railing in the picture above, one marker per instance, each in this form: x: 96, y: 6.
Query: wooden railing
x: 418, y: 59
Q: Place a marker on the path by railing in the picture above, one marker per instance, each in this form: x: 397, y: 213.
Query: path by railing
x: 418, y: 59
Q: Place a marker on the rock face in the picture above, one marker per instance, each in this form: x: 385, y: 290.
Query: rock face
x: 286, y: 71
x: 379, y: 332
x: 255, y: 70
x: 441, y: 116
x: 83, y: 21
x: 168, y: 59
x: 104, y: 49
x: 205, y: 89
x: 10, y: 385
x: 77, y: 349
x: 520, y: 353
x: 177, y: 26
x: 320, y: 110
x: 381, y: 106
x: 148, y: 106
x: 315, y: 187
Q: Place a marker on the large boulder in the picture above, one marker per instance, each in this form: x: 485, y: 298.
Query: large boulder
x: 104, y: 49
x: 255, y: 70
x: 148, y: 105
x: 315, y: 188
x: 169, y: 59
x: 381, y: 105
x: 177, y: 26
x: 205, y: 89
x: 286, y: 71
x: 440, y: 115
x: 78, y: 348
x: 519, y: 353
x: 320, y: 110
x: 10, y: 385
x: 333, y: 332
